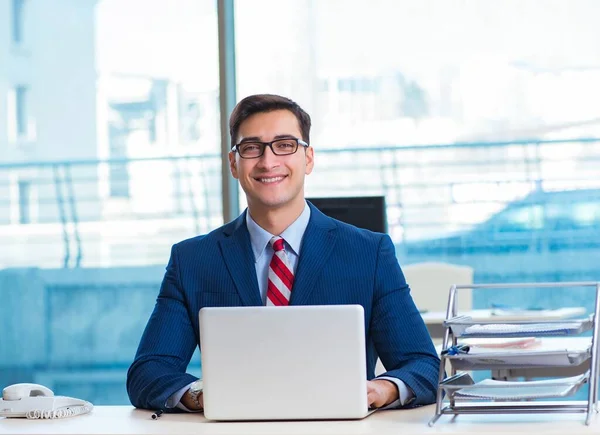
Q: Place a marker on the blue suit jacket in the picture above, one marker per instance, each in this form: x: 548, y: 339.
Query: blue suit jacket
x: 338, y: 264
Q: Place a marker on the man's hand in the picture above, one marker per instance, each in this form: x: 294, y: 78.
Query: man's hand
x: 187, y: 401
x: 381, y: 392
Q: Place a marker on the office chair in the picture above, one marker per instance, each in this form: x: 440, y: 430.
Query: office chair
x: 430, y: 286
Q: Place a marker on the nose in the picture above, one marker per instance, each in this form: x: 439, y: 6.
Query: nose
x: 268, y: 160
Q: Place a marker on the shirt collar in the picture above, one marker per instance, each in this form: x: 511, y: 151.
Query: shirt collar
x: 259, y: 238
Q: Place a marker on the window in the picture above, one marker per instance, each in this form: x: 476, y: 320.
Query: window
x: 92, y: 98
x: 573, y: 216
x: 24, y: 202
x: 21, y: 95
x: 18, y: 7
x: 152, y: 128
x: 522, y: 218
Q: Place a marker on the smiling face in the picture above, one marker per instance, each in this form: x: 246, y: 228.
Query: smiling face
x: 272, y: 182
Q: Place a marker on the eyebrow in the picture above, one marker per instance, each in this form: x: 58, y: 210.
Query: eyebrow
x: 257, y: 139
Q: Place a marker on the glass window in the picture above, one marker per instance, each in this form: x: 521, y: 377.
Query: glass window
x: 587, y: 214
x: 431, y: 95
x: 466, y: 116
x: 112, y: 156
x: 521, y: 218
x: 577, y: 215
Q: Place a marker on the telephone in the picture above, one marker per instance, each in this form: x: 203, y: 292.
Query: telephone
x: 35, y: 401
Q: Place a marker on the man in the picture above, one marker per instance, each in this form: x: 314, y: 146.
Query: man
x: 318, y: 261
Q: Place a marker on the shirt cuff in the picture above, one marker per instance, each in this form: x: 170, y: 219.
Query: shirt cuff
x: 405, y: 394
x: 175, y: 400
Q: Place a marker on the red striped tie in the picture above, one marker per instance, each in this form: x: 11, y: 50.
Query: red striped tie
x: 281, y: 277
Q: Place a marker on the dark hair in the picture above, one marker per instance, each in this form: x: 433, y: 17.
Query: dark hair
x: 261, y: 103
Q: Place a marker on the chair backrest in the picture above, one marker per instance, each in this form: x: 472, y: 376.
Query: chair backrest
x: 430, y: 284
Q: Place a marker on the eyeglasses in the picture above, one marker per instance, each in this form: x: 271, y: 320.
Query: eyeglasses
x: 279, y: 147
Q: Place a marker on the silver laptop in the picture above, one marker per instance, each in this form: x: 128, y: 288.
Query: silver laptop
x: 284, y: 363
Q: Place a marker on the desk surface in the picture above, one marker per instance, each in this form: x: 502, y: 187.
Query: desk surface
x: 435, y: 317
x: 127, y: 420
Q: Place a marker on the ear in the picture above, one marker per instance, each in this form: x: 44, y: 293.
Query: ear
x: 310, y: 160
x: 233, y: 165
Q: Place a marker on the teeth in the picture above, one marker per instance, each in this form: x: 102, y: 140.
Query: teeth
x: 270, y: 180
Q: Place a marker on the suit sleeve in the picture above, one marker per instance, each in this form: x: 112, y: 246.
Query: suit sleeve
x: 166, y: 347
x: 399, y: 333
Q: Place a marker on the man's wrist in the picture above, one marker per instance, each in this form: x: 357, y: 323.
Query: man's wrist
x: 196, y: 390
x: 391, y: 390
x: 193, y: 398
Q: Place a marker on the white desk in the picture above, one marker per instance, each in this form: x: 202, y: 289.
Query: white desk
x: 126, y: 420
x: 434, y: 320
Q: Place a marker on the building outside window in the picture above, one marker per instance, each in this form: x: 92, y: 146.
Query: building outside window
x: 21, y: 95
x: 24, y: 202
x: 18, y: 13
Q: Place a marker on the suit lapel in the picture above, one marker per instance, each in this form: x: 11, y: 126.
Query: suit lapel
x: 317, y: 245
x: 239, y: 259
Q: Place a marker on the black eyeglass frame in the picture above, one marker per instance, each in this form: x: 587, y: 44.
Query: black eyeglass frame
x: 235, y: 148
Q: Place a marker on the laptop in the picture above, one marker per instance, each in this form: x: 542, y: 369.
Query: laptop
x: 284, y: 363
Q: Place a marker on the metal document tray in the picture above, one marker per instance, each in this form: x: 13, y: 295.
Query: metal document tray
x: 462, y: 387
x: 463, y: 326
x: 498, y: 360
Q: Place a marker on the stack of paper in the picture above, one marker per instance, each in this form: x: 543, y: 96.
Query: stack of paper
x: 496, y: 353
x: 499, y: 329
x: 502, y: 342
x: 503, y: 390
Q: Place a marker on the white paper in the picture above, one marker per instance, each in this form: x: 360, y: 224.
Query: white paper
x: 529, y: 328
x: 506, y: 390
x: 548, y: 352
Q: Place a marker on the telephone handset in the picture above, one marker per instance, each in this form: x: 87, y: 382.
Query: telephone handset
x: 36, y: 401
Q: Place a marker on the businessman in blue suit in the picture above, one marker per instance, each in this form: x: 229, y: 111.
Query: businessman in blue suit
x: 331, y: 262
